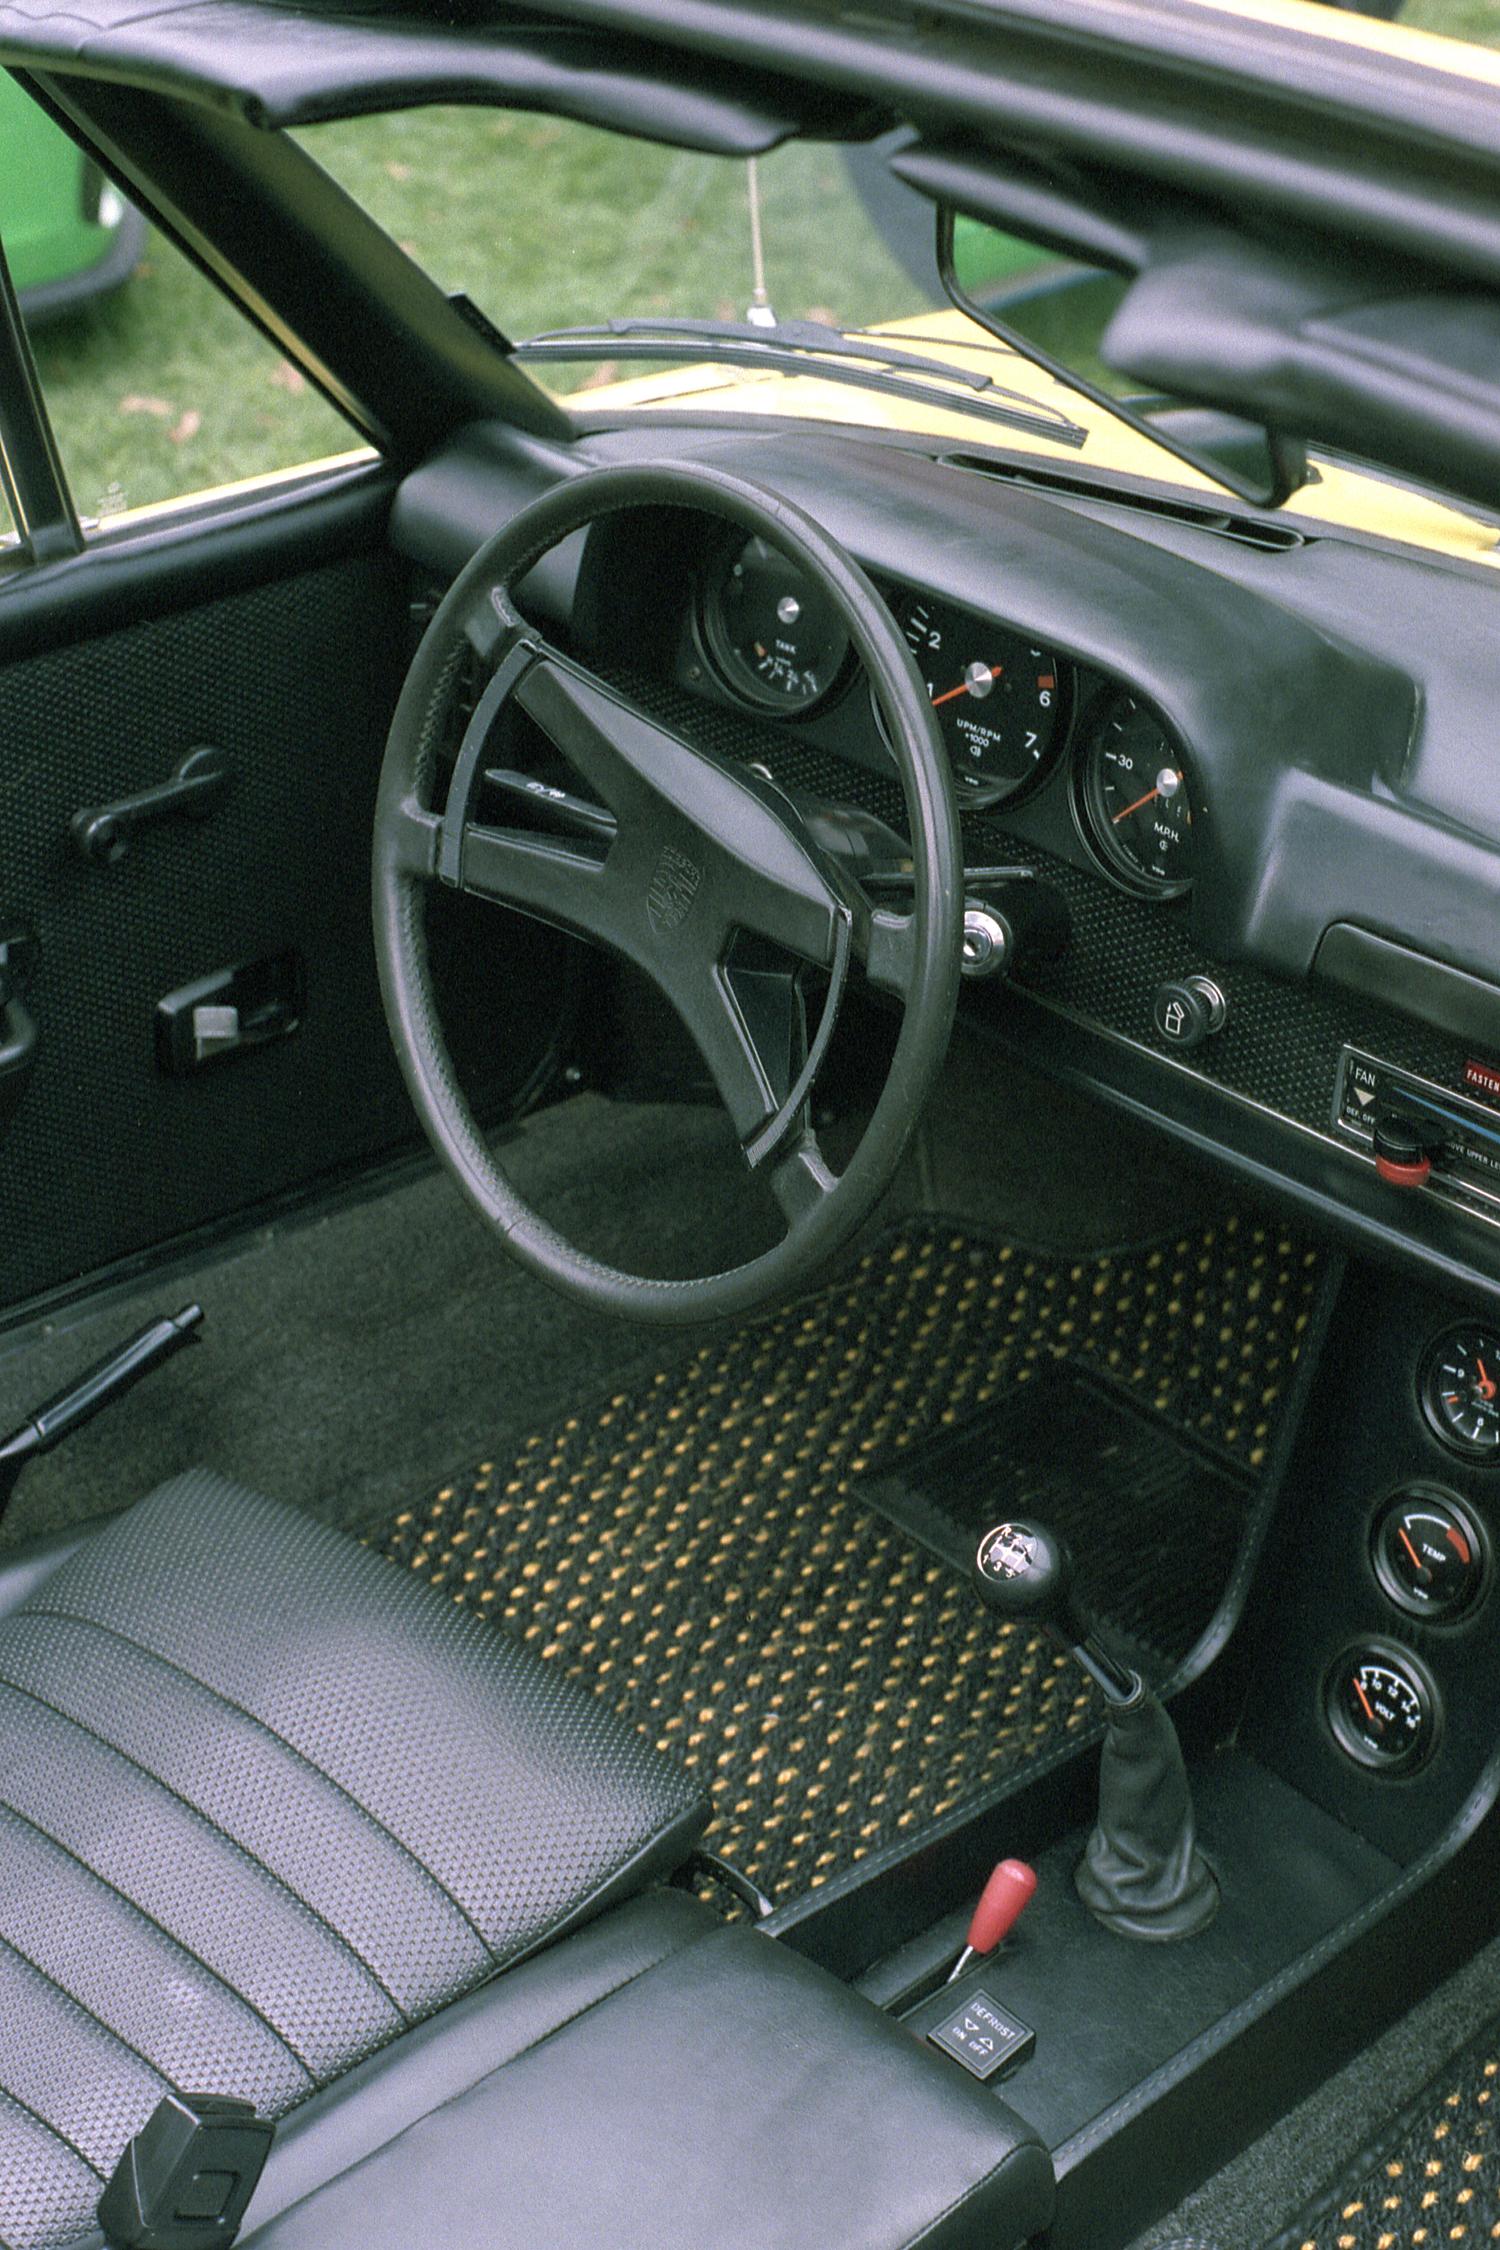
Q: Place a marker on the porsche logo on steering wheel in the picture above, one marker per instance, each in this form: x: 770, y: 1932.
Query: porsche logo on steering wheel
x: 674, y: 886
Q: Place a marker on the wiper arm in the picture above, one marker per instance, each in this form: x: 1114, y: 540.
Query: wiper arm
x: 838, y: 358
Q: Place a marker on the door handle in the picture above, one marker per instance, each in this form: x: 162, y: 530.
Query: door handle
x: 102, y: 832
x: 17, y: 1023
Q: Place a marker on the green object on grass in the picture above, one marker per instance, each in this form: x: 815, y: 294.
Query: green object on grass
x: 68, y: 234
x: 983, y: 256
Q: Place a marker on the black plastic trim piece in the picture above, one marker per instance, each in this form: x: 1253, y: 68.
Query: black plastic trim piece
x: 1418, y: 985
x: 31, y: 470
x: 305, y: 264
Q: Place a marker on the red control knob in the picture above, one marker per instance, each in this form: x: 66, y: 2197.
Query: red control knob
x: 1402, y: 1155
x: 1404, y: 1175
x: 1002, y: 1902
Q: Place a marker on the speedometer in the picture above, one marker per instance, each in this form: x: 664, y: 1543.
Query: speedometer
x: 1133, y: 799
x: 998, y: 699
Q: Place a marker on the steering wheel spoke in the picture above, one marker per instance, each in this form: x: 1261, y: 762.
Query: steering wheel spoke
x: 542, y: 875
x: 415, y: 835
x: 745, y: 1077
x: 801, y: 1181
x: 765, y: 875
x: 887, y: 945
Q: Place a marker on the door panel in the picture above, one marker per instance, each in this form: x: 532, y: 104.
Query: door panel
x: 292, y: 675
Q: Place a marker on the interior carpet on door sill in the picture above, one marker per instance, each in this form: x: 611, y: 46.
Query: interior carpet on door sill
x: 1433, y: 2180
x: 699, y: 1547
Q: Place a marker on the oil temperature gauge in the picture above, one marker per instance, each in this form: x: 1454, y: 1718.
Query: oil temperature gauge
x: 1430, y: 1554
x: 1382, y: 1708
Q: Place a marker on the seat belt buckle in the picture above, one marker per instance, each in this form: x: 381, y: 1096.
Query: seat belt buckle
x: 185, y: 2181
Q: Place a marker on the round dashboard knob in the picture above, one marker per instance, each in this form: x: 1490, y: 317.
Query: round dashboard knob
x: 1188, y: 1010
x: 1403, y: 1156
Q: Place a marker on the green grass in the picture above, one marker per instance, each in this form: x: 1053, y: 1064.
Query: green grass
x: 546, y: 224
x: 164, y: 389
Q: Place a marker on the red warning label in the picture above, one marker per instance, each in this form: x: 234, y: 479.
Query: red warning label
x: 1484, y: 1078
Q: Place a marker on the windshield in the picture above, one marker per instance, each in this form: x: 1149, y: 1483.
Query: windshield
x: 547, y: 224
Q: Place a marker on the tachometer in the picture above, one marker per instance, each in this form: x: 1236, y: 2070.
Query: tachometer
x: 1133, y: 799
x: 776, y: 640
x: 998, y: 699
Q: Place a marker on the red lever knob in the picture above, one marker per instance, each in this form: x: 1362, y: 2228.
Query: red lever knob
x: 1403, y: 1151
x: 1404, y: 1175
x: 1002, y: 1902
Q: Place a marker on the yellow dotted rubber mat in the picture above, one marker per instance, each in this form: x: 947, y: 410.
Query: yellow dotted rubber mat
x: 697, y: 1548
x: 1439, y: 2182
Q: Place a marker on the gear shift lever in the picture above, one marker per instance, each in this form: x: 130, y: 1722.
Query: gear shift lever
x: 1142, y: 1875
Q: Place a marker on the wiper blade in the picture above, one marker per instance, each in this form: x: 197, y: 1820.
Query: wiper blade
x: 855, y: 358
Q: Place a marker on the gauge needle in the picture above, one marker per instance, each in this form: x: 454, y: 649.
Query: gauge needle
x: 1129, y: 809
x: 1486, y: 1380
x: 966, y: 687
x: 1411, y: 1550
x: 1365, y: 1700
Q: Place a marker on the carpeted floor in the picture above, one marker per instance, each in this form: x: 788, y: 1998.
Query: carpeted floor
x: 1433, y: 2180
x: 699, y: 1544
x: 1294, y: 2184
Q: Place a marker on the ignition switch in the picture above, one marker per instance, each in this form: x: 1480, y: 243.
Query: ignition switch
x: 1010, y: 920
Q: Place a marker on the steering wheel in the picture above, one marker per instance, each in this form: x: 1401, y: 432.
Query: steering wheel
x: 675, y: 854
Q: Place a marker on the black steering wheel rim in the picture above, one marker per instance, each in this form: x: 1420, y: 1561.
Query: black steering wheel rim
x: 916, y: 955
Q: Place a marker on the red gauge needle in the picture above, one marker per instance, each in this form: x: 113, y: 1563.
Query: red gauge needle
x: 1411, y: 1550
x: 1129, y: 809
x: 965, y: 687
x: 1365, y: 1700
x: 1486, y: 1380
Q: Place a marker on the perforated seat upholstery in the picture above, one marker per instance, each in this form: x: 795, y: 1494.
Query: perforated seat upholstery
x: 265, y: 1801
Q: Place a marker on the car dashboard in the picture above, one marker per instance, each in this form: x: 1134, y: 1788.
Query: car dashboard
x: 1252, y: 766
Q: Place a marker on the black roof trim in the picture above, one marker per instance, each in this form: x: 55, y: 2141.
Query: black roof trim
x: 279, y: 65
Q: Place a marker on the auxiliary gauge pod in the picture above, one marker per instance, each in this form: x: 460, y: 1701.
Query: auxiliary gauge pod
x: 1142, y: 1875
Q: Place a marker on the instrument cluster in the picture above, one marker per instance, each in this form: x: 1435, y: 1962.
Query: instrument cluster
x: 1012, y: 712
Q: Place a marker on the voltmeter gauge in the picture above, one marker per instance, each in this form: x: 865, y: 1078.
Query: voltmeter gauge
x: 1460, y: 1385
x: 1382, y: 1708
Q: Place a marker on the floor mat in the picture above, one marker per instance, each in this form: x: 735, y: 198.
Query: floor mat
x: 699, y: 1547
x: 1154, y: 1518
x: 1436, y: 2178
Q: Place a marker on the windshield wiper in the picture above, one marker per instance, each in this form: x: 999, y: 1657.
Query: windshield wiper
x: 856, y: 357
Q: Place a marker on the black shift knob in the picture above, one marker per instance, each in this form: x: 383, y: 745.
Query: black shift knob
x: 1021, y: 1569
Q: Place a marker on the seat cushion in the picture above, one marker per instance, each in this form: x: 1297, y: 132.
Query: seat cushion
x: 660, y: 2080
x: 267, y: 1800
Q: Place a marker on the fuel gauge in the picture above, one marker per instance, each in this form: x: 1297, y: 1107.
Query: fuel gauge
x: 776, y: 638
x: 1382, y: 1708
